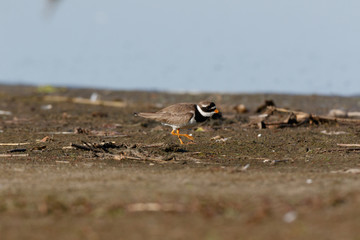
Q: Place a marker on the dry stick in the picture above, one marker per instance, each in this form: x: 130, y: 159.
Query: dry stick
x: 13, y: 144
x: 88, y: 145
x: 335, y: 119
x: 348, y: 145
x: 273, y: 109
x: 327, y: 118
x: 62, y: 161
x: 49, y: 133
x: 82, y: 147
x: 116, y: 157
x: 14, y: 155
x: 154, y: 207
x: 17, y: 150
x: 85, y: 101
x: 69, y: 133
x: 153, y: 145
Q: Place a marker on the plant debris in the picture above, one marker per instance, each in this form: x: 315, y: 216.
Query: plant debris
x: 275, y: 117
x: 17, y: 150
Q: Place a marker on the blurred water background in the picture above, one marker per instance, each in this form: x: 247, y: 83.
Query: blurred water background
x: 281, y: 46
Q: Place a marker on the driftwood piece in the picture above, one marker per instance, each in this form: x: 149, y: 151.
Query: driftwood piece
x: 294, y: 118
x: 343, y: 114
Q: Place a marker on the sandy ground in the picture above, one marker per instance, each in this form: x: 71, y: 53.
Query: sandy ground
x: 133, y: 180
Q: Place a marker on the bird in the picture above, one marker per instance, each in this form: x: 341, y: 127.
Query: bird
x: 182, y: 115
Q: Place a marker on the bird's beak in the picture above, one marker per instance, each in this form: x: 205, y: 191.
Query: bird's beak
x: 216, y: 111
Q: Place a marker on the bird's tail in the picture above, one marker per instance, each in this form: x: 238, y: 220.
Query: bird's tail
x: 146, y: 115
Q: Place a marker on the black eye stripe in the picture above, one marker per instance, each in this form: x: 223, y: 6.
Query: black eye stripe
x: 208, y: 109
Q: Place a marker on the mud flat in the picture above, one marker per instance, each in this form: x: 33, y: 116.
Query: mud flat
x: 79, y: 165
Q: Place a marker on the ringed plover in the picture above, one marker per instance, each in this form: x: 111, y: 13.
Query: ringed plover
x: 182, y: 115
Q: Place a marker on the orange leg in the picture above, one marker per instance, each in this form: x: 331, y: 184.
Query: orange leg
x: 185, y: 135
x: 181, y: 135
x: 177, y: 134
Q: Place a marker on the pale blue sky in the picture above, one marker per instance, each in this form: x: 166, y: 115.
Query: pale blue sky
x: 307, y: 46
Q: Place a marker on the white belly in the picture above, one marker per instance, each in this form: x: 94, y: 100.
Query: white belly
x: 189, y: 124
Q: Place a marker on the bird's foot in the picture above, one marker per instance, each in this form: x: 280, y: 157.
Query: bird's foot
x: 188, y: 136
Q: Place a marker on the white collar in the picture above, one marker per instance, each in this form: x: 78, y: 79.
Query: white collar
x: 204, y: 114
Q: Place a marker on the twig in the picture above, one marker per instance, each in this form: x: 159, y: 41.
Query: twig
x: 62, y: 161
x: 14, y: 155
x: 82, y: 147
x: 154, y: 207
x: 272, y: 109
x: 13, y: 144
x: 348, y: 145
x: 85, y: 101
x: 335, y: 119
x: 55, y: 133
x: 89, y: 146
x: 17, y: 150
x: 153, y: 145
x: 68, y: 147
x: 122, y: 157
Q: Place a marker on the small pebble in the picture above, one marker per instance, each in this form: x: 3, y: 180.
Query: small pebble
x: 94, y: 97
x: 244, y: 168
x: 241, y: 108
x: 46, y: 107
x: 2, y: 112
x: 337, y: 113
x: 309, y: 181
x: 289, y: 217
x: 259, y: 135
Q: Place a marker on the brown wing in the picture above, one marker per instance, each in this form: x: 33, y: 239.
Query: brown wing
x: 177, y: 114
x: 176, y: 119
x: 180, y: 108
